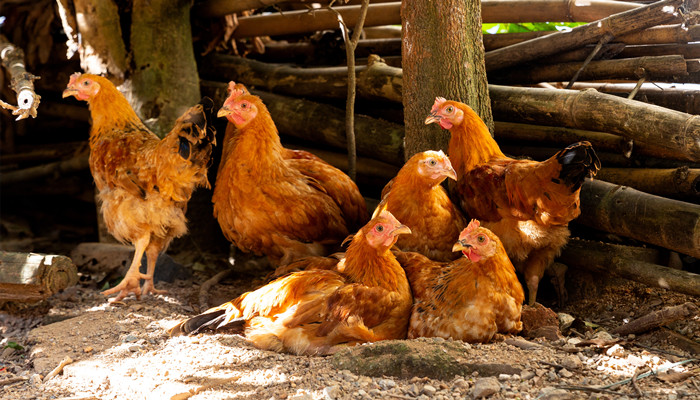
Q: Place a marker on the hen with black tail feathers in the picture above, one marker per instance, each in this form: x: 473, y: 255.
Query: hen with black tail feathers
x: 144, y: 182
x: 528, y: 204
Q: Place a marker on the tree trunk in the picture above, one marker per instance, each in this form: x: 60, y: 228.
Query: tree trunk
x: 31, y: 277
x: 165, y: 80
x: 440, y: 58
x: 676, y: 183
x: 676, y: 98
x: 621, y: 210
x: 102, y: 50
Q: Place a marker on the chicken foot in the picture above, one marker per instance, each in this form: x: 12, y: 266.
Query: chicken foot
x: 131, y: 281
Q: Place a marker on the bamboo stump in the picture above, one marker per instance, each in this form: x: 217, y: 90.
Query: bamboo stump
x: 30, y: 277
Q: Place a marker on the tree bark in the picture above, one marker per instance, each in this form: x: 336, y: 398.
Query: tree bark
x: 675, y: 98
x: 320, y: 123
x: 625, y: 262
x: 165, y: 80
x: 440, y: 59
x: 29, y: 277
x: 677, y: 183
x: 621, y: 210
x: 657, y: 318
x: 677, y: 132
x: 615, y: 25
x: 102, y: 50
x: 662, y: 68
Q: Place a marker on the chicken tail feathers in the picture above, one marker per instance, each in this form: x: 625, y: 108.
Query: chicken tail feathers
x: 578, y: 161
x: 208, y: 321
x: 196, y: 133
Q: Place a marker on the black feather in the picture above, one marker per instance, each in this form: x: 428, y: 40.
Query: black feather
x: 184, y: 149
x: 578, y: 162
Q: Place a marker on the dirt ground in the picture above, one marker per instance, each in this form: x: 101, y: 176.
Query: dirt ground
x: 122, y: 351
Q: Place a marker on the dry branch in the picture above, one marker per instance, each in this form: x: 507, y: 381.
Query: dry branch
x: 29, y: 277
x: 22, y: 81
x: 629, y: 263
x: 676, y: 98
x: 676, y: 183
x: 676, y: 132
x: 662, y: 68
x: 656, y: 35
x: 322, y: 123
x: 685, y: 50
x: 657, y: 318
x: 615, y: 25
x: 621, y: 210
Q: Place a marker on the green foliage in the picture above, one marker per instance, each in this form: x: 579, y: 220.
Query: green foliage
x: 14, y: 345
x: 529, y: 27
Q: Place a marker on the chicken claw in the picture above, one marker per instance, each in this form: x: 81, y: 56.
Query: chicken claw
x: 130, y: 284
x: 148, y: 287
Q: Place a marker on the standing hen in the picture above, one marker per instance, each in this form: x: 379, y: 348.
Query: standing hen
x: 469, y: 299
x: 315, y: 312
x: 144, y: 182
x: 417, y: 199
x: 273, y: 201
x: 528, y: 204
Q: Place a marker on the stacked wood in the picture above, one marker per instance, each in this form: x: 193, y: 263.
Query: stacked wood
x: 30, y: 277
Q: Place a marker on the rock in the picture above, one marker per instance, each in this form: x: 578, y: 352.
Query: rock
x: 526, y: 375
x: 134, y: 348
x: 615, y: 351
x: 565, y: 373
x: 572, y: 362
x: 302, y: 395
x: 521, y: 343
x: 129, y: 338
x: 7, y: 353
x: 503, y: 377
x: 602, y: 335
x: 550, y: 333
x: 35, y: 380
x: 422, y: 358
x: 536, y: 317
x: 386, y: 384
x: 484, y: 387
x: 429, y: 390
x: 551, y: 393
x: 565, y: 321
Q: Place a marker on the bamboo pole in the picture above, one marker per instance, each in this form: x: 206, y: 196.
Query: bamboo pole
x: 656, y: 35
x: 314, y: 53
x: 621, y: 210
x: 618, y: 24
x: 320, y: 123
x: 685, y: 50
x: 674, y: 97
x: 675, y: 183
x: 624, y: 262
x: 295, y: 22
x: 22, y: 83
x: 676, y: 132
x: 663, y: 68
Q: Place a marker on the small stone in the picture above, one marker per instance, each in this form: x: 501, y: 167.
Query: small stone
x: 422, y: 397
x: 484, y: 387
x: 526, y: 375
x: 360, y: 393
x: 602, y: 335
x: 386, y: 384
x: 572, y: 362
x: 134, y: 348
x: 375, y: 393
x: 302, y: 395
x: 615, y: 351
x: 565, y: 373
x: 7, y: 353
x: 429, y: 390
x: 331, y: 392
x: 88, y: 349
x: 460, y: 383
x: 503, y: 377
x: 130, y: 338
x: 565, y: 320
x: 35, y: 380
x: 413, y: 390
x: 551, y: 375
x: 551, y: 393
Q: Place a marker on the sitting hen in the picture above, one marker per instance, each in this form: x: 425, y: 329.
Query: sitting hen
x: 318, y: 311
x: 277, y: 202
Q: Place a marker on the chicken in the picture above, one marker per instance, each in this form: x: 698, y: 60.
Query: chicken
x: 319, y: 311
x: 469, y: 299
x: 144, y: 182
x: 417, y: 199
x: 274, y: 201
x: 528, y: 204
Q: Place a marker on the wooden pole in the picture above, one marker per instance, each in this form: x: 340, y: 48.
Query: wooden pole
x: 676, y: 98
x: 29, y: 277
x: 662, y: 68
x: 22, y: 82
x: 295, y: 22
x: 676, y: 183
x: 676, y: 132
x: 623, y: 261
x: 618, y: 24
x: 621, y: 210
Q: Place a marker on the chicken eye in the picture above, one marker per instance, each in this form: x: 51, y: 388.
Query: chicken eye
x: 244, y: 105
x: 449, y: 109
x: 432, y: 162
x: 379, y: 228
x: 481, y: 238
x: 86, y: 83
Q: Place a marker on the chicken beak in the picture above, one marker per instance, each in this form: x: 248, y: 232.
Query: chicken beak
x: 69, y: 92
x: 224, y: 111
x: 461, y: 245
x: 432, y: 118
x: 401, y: 229
x: 450, y: 173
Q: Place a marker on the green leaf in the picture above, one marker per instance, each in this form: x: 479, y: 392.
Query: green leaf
x: 14, y: 345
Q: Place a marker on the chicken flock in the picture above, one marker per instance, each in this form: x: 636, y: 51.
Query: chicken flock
x: 414, y: 268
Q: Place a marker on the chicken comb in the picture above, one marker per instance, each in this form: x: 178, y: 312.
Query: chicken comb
x: 473, y: 226
x: 74, y: 77
x: 236, y: 90
x: 438, y: 103
x: 380, y: 208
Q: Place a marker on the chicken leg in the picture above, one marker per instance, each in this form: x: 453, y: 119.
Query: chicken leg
x: 132, y: 279
x: 152, y: 252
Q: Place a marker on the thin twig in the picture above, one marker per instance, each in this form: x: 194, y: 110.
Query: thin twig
x: 603, y: 40
x: 634, y: 381
x: 58, y: 369
x: 206, y: 286
x: 637, y: 87
x: 588, y: 389
x: 652, y: 372
x: 10, y: 381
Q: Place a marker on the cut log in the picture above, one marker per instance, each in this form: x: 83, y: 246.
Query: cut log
x: 376, y: 139
x: 685, y: 50
x: 657, y: 318
x: 629, y: 263
x: 662, y: 68
x: 674, y: 97
x: 677, y: 132
x: 295, y: 22
x: 656, y: 35
x: 677, y: 183
x: 662, y: 12
x: 30, y: 277
x: 621, y: 210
